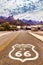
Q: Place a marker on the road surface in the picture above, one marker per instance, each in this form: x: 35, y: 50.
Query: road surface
x: 21, y: 38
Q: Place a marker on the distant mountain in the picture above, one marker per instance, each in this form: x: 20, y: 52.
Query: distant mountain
x: 11, y: 20
x: 29, y: 22
x: 19, y: 22
x: 41, y: 22
x: 2, y: 19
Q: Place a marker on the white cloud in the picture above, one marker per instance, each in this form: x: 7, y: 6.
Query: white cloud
x: 34, y: 8
x: 34, y: 16
x: 34, y: 1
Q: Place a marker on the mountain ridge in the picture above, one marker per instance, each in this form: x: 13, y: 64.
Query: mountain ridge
x: 11, y: 20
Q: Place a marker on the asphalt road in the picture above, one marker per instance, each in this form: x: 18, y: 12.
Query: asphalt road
x: 25, y: 43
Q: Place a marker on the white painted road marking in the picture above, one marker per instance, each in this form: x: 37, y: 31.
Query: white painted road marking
x: 37, y: 36
x: 4, y: 34
x: 25, y: 54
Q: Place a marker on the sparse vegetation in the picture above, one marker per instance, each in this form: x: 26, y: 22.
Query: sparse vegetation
x: 14, y: 27
x: 7, y: 27
x: 1, y: 28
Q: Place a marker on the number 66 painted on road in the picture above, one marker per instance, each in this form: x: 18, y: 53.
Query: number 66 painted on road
x: 18, y: 54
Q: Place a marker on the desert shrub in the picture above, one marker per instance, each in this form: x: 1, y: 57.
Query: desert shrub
x: 6, y: 26
x: 14, y: 27
x: 1, y: 28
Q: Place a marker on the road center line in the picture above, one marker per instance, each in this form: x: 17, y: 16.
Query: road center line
x: 8, y: 42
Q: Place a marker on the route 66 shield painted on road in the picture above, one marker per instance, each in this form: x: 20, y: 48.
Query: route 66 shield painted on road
x: 23, y: 52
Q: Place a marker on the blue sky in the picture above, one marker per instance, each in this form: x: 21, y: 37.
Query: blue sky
x: 28, y: 9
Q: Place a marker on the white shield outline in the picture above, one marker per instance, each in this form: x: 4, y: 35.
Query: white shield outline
x: 23, y: 60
